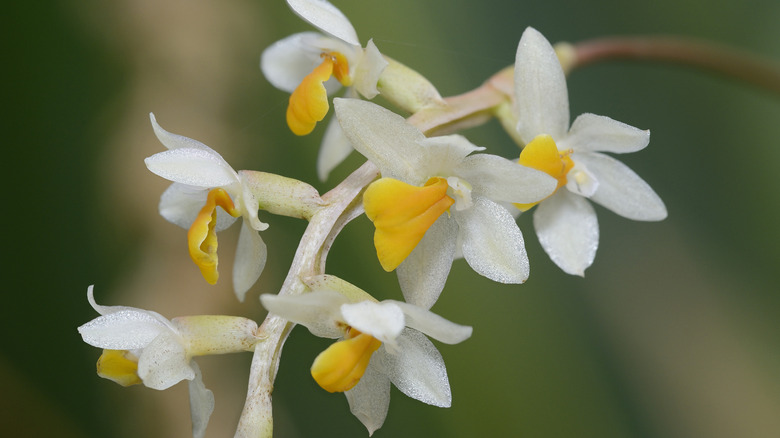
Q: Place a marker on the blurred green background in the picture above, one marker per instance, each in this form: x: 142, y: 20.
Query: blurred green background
x: 674, y: 332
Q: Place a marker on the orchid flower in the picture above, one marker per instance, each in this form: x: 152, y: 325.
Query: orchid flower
x: 423, y: 178
x: 565, y: 222
x: 141, y: 346
x: 202, y: 181
x: 311, y: 65
x: 379, y: 343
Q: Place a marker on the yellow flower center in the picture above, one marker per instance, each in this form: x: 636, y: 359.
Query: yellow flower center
x: 309, y: 102
x: 120, y: 366
x: 202, y: 239
x: 340, y: 367
x: 542, y: 154
x: 402, y: 213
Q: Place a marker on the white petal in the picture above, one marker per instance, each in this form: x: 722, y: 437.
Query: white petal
x: 201, y: 403
x: 568, y: 231
x: 164, y: 363
x: 286, y: 62
x: 621, y: 190
x: 383, y: 137
x: 181, y: 203
x: 105, y: 310
x: 319, y: 311
x: 325, y: 17
x: 125, y: 329
x: 502, y: 180
x: 251, y: 254
x: 443, y: 154
x: 335, y: 148
x: 176, y: 141
x: 432, y: 324
x: 492, y: 243
x: 195, y: 167
x: 370, y: 398
x: 368, y: 70
x: 590, y: 132
x: 384, y: 321
x: 540, y: 89
x: 423, y: 274
x: 418, y: 370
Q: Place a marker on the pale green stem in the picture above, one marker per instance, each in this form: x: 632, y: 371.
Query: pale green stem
x: 466, y: 110
x: 256, y: 419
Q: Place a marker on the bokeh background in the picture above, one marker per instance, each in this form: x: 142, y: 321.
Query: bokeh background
x: 674, y: 331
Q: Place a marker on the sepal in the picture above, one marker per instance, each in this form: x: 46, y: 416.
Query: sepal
x: 326, y: 17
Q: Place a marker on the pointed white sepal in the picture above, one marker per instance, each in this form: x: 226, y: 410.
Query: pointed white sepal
x: 326, y: 18
x: 591, y: 132
x: 195, y: 167
x: 540, y: 89
x: 433, y: 325
x: 383, y: 137
x: 175, y: 141
x: 621, y: 190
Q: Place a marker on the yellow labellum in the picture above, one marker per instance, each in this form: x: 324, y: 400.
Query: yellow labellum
x: 542, y: 154
x: 202, y: 239
x: 402, y: 213
x: 119, y: 366
x: 309, y: 102
x: 340, y: 367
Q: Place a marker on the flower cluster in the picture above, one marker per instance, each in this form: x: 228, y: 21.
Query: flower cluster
x: 431, y: 199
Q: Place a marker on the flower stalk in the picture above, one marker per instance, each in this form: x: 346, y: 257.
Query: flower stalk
x: 256, y: 418
x: 728, y: 61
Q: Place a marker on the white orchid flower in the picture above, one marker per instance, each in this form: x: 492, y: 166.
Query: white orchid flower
x: 141, y: 346
x: 422, y: 178
x: 380, y: 343
x: 566, y: 222
x: 203, y: 180
x: 311, y: 65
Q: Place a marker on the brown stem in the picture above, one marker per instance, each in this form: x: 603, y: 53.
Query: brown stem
x: 756, y: 70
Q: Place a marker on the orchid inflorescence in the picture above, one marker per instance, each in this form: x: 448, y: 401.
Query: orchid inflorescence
x: 431, y: 194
